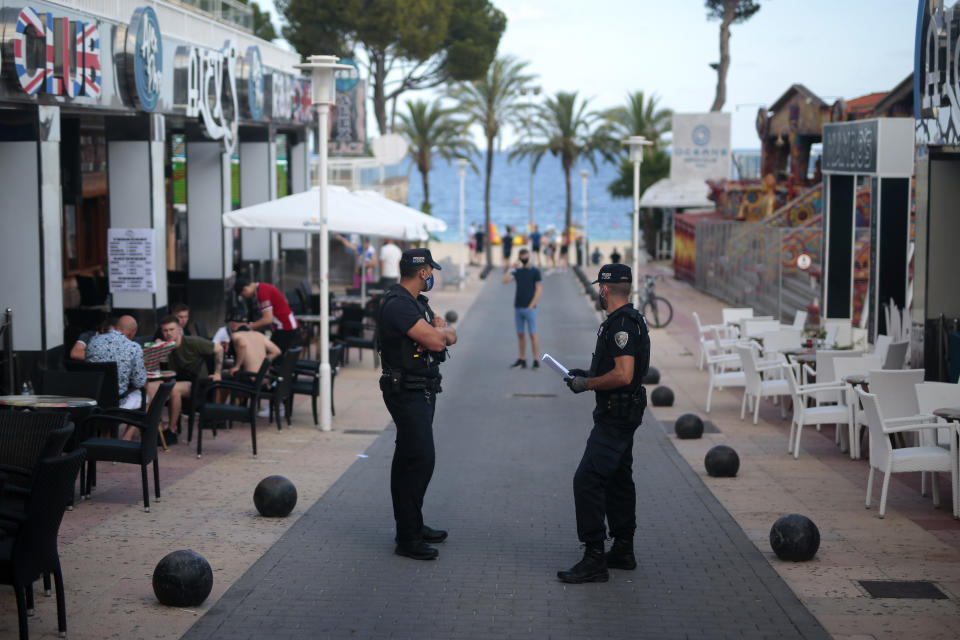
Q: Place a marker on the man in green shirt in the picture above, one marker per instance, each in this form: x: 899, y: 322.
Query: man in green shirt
x: 189, y: 361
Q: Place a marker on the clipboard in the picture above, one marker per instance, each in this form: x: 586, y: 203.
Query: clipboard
x: 556, y: 366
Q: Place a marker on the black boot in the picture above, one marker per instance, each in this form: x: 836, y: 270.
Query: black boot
x: 621, y: 555
x: 593, y: 567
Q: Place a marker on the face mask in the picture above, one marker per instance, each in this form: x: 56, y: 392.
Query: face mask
x: 429, y: 282
x: 524, y: 261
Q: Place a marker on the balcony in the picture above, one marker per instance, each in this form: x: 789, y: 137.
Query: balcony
x: 229, y: 11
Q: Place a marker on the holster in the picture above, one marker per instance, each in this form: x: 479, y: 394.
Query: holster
x: 628, y: 406
x: 396, y: 381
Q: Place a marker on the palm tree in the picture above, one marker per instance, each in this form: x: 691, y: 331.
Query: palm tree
x: 431, y: 129
x: 640, y: 116
x: 562, y: 127
x: 492, y: 102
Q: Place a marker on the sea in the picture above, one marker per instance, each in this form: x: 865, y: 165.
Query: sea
x: 608, y: 218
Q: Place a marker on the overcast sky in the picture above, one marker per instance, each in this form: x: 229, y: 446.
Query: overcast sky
x: 607, y: 48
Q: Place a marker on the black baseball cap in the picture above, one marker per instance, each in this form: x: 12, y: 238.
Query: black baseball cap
x: 610, y: 273
x: 236, y: 315
x: 418, y: 258
x: 240, y: 283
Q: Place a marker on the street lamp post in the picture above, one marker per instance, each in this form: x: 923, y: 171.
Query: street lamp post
x: 583, y: 197
x: 324, y: 95
x: 636, y: 144
x: 533, y: 90
x: 462, y: 172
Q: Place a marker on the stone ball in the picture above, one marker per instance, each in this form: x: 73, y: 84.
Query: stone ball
x: 795, y: 538
x: 689, y: 426
x: 722, y: 462
x: 662, y: 397
x: 275, y: 497
x: 182, y: 579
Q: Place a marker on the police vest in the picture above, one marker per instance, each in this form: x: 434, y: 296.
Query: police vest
x: 632, y: 395
x: 402, y: 354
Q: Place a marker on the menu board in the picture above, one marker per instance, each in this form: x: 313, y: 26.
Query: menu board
x: 130, y: 260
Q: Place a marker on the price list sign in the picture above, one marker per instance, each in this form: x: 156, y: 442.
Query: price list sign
x: 130, y: 258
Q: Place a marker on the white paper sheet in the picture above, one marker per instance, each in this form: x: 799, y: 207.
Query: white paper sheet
x: 556, y: 366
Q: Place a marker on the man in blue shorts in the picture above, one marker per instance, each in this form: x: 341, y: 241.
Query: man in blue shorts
x: 528, y: 292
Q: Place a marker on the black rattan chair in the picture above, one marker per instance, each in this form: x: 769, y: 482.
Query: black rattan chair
x: 306, y: 379
x: 109, y: 397
x: 140, y: 453
x: 29, y: 546
x: 210, y: 414
x: 280, y: 391
x: 23, y: 441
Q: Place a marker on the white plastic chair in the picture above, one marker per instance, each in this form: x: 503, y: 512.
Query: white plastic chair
x: 825, y: 373
x: 799, y: 321
x: 720, y: 378
x: 930, y: 397
x: 906, y: 459
x: 754, y: 327
x: 839, y: 332
x: 704, y: 335
x: 756, y: 387
x: 896, y: 355
x: 843, y: 367
x: 804, y: 415
x: 881, y: 345
x: 735, y: 314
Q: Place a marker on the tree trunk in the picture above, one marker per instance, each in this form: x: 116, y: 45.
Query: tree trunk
x: 486, y: 201
x: 567, y: 218
x: 425, y: 176
x: 729, y: 10
x: 379, y: 92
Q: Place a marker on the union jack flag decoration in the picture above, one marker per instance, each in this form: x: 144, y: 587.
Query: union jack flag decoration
x: 91, y: 59
x: 30, y: 82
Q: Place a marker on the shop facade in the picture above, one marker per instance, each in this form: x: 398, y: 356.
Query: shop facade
x: 147, y: 122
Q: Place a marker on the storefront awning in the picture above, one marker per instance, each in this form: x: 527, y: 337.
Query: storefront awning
x: 363, y: 213
x: 676, y: 194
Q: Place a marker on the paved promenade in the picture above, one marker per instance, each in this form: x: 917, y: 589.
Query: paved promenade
x: 507, y: 445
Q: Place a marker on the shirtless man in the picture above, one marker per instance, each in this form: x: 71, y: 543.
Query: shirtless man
x: 251, y: 347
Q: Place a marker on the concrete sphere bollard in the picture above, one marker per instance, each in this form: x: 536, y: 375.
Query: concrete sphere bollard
x: 182, y: 579
x: 450, y: 316
x: 275, y: 497
x: 662, y: 397
x: 652, y: 377
x: 689, y: 426
x: 722, y: 462
x: 794, y: 538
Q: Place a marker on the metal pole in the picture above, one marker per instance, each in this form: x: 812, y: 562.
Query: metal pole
x: 463, y: 242
x: 583, y: 198
x: 323, y: 111
x: 636, y: 233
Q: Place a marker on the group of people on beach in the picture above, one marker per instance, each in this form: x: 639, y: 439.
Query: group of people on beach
x: 548, y: 248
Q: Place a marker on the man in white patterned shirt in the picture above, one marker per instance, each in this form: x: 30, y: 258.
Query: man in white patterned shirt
x: 116, y: 345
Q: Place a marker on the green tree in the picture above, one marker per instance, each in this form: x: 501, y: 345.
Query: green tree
x: 728, y: 12
x: 492, y: 102
x: 262, y: 24
x: 563, y: 127
x: 432, y: 130
x: 405, y: 44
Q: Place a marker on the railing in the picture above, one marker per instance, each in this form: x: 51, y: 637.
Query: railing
x: 231, y: 11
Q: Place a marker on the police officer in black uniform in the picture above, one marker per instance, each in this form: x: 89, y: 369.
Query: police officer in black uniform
x: 412, y: 341
x: 603, y: 485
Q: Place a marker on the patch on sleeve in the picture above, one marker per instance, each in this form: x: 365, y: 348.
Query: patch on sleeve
x: 621, y: 337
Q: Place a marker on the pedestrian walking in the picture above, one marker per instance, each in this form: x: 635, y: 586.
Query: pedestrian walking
x: 389, y: 264
x: 535, y: 237
x: 412, y: 342
x: 603, y: 488
x: 507, y: 245
x: 478, y: 245
x: 529, y: 288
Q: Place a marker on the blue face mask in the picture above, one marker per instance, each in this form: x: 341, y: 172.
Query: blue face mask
x: 429, y: 282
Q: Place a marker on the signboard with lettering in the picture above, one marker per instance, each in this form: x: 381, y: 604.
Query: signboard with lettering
x: 701, y: 147
x: 850, y: 147
x: 936, y: 85
x: 130, y: 260
x: 348, y: 119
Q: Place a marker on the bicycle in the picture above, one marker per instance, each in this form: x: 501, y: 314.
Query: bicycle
x: 656, y: 309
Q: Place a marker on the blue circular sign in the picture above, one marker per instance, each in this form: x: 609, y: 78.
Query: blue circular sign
x: 701, y: 135
x: 147, y: 57
x: 347, y: 79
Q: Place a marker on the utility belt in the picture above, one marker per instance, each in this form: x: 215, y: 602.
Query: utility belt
x: 397, y: 381
x: 625, y: 405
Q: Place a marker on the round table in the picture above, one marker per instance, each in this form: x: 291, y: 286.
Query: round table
x: 46, y: 402
x: 162, y: 374
x: 948, y: 413
x: 858, y: 380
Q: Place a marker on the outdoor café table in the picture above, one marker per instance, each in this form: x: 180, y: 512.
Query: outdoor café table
x: 46, y: 402
x: 315, y: 319
x: 161, y: 375
x: 952, y: 414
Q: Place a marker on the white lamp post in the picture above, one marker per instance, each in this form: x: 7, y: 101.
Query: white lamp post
x: 583, y: 198
x: 462, y: 172
x: 636, y: 144
x: 324, y: 94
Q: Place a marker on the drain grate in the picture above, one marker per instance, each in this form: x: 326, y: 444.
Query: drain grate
x: 533, y: 395
x: 708, y: 427
x: 915, y: 589
x: 361, y: 432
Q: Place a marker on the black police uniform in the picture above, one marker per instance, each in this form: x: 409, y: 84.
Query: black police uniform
x: 603, y: 484
x: 410, y: 384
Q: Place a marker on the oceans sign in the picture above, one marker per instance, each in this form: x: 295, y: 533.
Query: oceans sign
x: 701, y: 146
x: 57, y: 55
x: 850, y: 147
x: 936, y: 77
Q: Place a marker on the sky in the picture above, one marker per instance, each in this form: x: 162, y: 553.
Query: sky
x: 605, y: 49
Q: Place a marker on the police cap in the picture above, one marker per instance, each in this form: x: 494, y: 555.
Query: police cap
x: 418, y: 258
x: 610, y: 273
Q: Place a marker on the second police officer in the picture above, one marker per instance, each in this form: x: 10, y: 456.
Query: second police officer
x: 412, y: 341
x: 603, y: 488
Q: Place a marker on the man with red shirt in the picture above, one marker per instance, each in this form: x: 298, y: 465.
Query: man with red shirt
x: 275, y: 309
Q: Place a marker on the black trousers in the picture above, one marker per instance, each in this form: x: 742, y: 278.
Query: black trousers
x: 285, y: 338
x: 603, y: 485
x: 413, y: 458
